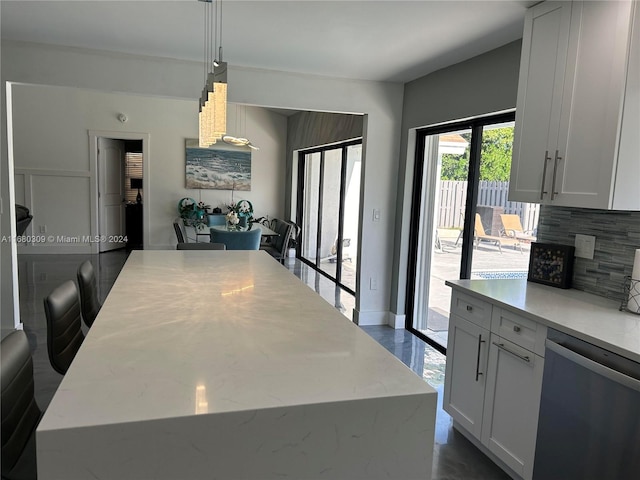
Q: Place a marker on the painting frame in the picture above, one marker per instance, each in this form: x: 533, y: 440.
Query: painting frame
x: 551, y: 264
x: 218, y: 167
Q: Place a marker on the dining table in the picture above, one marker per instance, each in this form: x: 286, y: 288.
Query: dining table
x: 266, y: 232
x: 223, y: 364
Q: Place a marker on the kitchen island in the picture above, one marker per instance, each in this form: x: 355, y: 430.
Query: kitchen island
x: 222, y: 364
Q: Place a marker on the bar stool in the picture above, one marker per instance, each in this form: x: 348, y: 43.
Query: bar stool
x: 88, y: 293
x: 64, y: 325
x: 20, y: 412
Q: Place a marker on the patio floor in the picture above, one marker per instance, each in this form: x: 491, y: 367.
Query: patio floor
x: 487, y: 262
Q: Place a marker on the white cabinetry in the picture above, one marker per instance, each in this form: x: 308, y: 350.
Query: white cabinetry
x: 577, y: 96
x: 493, y: 379
x: 511, y: 404
x: 465, y: 373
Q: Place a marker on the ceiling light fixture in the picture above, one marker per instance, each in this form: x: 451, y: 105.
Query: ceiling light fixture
x: 238, y: 142
x: 213, y: 101
x: 241, y: 126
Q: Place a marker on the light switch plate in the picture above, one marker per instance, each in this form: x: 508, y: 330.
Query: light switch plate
x: 585, y: 246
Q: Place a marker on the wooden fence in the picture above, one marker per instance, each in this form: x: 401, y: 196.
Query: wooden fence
x: 453, y: 195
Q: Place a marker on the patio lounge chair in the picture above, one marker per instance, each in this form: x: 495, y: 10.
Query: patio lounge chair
x: 480, y: 235
x: 333, y: 258
x: 513, y: 228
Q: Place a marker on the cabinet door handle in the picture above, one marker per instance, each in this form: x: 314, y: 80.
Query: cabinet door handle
x: 478, y: 372
x: 555, y: 171
x: 516, y: 329
x: 521, y: 357
x: 469, y: 308
x: 544, y: 173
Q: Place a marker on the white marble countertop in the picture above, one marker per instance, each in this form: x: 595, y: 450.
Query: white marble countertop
x: 190, y: 332
x: 591, y: 318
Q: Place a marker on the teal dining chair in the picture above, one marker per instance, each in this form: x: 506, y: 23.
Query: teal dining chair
x: 216, y: 219
x: 237, y: 239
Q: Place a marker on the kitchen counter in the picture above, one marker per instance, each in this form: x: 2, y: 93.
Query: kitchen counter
x: 594, y: 319
x: 222, y: 364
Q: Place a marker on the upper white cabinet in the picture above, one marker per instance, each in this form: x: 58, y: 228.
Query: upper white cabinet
x: 577, y: 119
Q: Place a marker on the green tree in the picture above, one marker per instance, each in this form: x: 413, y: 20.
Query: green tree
x: 495, y: 164
x: 456, y: 167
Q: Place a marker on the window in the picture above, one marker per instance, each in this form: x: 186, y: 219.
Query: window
x: 133, y: 170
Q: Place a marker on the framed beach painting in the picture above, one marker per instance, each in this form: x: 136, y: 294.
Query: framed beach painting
x: 219, y: 167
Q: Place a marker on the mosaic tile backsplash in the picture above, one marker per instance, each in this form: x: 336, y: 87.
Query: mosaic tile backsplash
x: 617, y: 238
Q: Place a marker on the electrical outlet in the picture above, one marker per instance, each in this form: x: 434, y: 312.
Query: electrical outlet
x: 373, y: 283
x: 585, y: 246
x: 376, y: 214
x: 43, y: 229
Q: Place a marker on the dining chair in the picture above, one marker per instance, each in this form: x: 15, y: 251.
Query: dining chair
x: 181, y: 231
x: 64, y: 325
x: 279, y: 247
x: 89, y: 302
x: 20, y: 412
x: 216, y: 219
x: 237, y: 240
x: 201, y: 246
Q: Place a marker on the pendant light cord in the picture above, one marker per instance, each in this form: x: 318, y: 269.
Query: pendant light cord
x: 220, y: 51
x: 206, y: 40
x: 215, y: 42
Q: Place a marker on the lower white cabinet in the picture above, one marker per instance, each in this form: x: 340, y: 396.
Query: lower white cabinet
x: 492, y: 384
x: 464, y: 388
x: 511, y: 404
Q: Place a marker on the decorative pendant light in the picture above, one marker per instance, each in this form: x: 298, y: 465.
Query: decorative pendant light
x: 213, y: 101
x: 241, y: 126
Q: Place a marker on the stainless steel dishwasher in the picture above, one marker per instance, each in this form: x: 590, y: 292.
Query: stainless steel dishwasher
x: 589, y: 422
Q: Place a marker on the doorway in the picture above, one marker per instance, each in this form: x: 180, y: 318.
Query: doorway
x: 328, y: 210
x: 111, y: 200
x: 119, y: 163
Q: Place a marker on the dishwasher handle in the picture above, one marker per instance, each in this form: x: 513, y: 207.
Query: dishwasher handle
x: 593, y: 366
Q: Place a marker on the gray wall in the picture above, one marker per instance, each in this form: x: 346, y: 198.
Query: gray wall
x: 484, y: 84
x: 617, y: 237
x: 311, y: 129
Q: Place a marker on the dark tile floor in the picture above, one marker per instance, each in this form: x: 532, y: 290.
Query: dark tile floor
x: 454, y: 456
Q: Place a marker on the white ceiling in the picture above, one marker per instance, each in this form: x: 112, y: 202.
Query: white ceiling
x: 367, y: 39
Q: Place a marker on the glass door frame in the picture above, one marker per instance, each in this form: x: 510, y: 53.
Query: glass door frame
x: 300, y: 206
x: 476, y: 126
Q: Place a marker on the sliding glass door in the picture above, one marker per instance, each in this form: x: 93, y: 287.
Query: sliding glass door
x: 328, y: 208
x: 463, y: 225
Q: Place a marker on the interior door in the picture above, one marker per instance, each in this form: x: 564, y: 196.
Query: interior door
x: 111, y: 194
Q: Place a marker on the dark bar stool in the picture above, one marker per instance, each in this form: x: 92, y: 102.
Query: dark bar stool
x: 64, y: 325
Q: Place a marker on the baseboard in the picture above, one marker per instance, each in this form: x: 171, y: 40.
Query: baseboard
x: 370, y: 318
x: 397, y: 321
x: 47, y: 249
